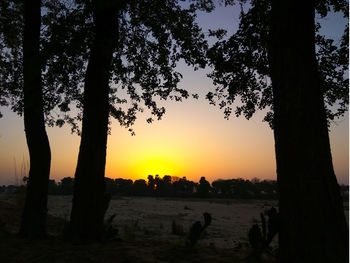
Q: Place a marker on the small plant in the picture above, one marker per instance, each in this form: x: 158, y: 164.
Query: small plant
x: 197, y: 229
x: 261, y: 237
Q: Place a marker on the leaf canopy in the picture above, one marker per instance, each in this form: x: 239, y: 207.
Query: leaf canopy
x: 152, y: 37
x: 241, y: 65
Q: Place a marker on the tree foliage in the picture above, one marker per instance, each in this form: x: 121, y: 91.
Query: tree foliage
x: 11, y: 60
x: 152, y: 37
x: 241, y: 70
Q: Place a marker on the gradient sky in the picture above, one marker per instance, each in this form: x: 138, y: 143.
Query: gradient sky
x: 193, y: 139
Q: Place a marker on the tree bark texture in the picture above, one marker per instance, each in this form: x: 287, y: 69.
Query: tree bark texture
x: 35, y: 208
x: 89, y: 201
x: 313, y: 225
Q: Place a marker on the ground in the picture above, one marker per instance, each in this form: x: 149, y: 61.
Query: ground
x: 151, y: 218
x: 145, y: 234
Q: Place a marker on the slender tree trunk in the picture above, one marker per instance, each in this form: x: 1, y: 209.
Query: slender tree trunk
x: 89, y: 202
x: 313, y: 225
x: 35, y: 208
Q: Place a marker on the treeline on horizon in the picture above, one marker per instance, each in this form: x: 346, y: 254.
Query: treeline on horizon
x: 172, y: 186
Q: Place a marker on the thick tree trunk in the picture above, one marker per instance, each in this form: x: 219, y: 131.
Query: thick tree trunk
x: 89, y: 202
x: 35, y: 208
x: 313, y: 225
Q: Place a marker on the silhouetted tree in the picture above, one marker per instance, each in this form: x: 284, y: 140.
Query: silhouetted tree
x: 89, y: 189
x: 164, y: 187
x: 153, y: 36
x: 158, y: 183
x: 140, y: 187
x: 31, y: 83
x: 151, y: 184
x: 135, y: 42
x: 203, y: 189
x: 64, y: 40
x: 222, y: 187
x: 277, y: 39
x: 11, y: 49
x: 240, y: 188
x: 124, y: 186
x: 66, y: 186
x: 53, y: 188
x: 268, y: 189
x: 183, y: 187
x: 111, y: 186
x: 304, y: 162
x: 34, y: 215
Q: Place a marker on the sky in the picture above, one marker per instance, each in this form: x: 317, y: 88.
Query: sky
x: 193, y: 139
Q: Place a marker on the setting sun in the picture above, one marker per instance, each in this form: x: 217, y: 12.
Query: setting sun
x: 153, y: 166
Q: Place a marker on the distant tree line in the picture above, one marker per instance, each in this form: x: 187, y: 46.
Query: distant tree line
x: 172, y: 186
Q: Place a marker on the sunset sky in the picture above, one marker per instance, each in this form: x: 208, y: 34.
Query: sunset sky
x: 193, y: 139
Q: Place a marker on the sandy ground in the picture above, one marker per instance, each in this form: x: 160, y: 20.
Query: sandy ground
x: 54, y: 249
x: 145, y: 231
x: 140, y: 218
x: 150, y: 218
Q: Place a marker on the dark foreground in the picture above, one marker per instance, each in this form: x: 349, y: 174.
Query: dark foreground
x: 54, y: 249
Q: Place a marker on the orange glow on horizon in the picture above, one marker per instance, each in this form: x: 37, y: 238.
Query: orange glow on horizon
x: 188, y: 145
x: 192, y: 140
x: 153, y: 166
x: 191, y: 150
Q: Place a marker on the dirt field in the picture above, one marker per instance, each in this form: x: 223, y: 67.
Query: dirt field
x: 140, y: 218
x: 145, y: 231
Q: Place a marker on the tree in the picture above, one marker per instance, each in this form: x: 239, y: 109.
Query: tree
x: 66, y: 186
x: 140, y: 187
x: 307, y: 183
x: 89, y: 189
x: 30, y: 81
x: 277, y: 39
x: 111, y: 186
x: 152, y: 37
x: 203, y: 189
x: 151, y: 184
x: 53, y: 188
x: 124, y: 186
x: 34, y: 215
x: 134, y: 43
x: 183, y: 187
x: 63, y: 51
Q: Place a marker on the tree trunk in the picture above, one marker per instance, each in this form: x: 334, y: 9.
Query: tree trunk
x: 35, y: 208
x: 89, y: 202
x: 313, y: 226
